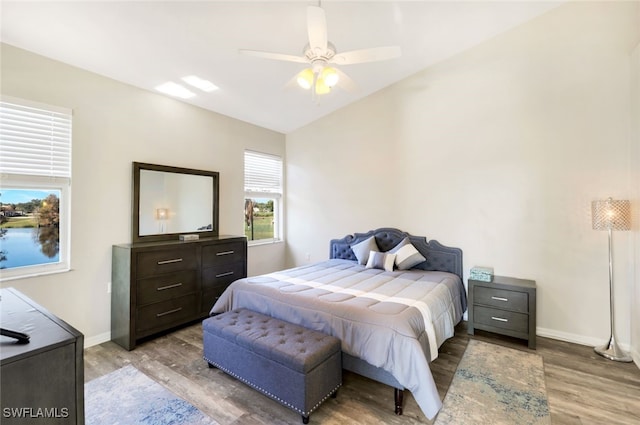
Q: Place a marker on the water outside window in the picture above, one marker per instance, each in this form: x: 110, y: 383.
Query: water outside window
x: 29, y: 227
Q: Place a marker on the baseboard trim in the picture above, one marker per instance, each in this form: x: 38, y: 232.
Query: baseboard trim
x: 636, y: 358
x: 576, y: 339
x: 96, y: 340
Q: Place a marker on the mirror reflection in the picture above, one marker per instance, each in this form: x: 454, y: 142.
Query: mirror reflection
x: 175, y: 203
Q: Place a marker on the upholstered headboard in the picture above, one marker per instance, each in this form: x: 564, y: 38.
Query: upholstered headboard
x: 439, y: 257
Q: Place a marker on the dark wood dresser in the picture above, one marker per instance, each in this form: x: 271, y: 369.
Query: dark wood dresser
x: 41, y: 382
x: 157, y: 286
x: 505, y: 305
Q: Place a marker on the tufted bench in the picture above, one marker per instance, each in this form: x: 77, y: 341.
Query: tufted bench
x: 296, y: 366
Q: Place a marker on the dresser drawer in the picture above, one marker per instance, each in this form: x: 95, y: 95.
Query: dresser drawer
x: 166, y: 313
x: 166, y: 286
x: 166, y: 261
x: 222, y: 253
x: 518, y: 322
x: 222, y: 275
x: 209, y: 298
x: 501, y: 298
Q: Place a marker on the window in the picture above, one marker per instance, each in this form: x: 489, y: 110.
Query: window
x: 262, y: 197
x: 35, y: 163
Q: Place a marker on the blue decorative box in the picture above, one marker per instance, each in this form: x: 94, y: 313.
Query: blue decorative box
x: 483, y: 274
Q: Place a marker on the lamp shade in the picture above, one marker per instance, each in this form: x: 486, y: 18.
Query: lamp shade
x: 611, y: 214
x: 305, y: 78
x: 162, y: 213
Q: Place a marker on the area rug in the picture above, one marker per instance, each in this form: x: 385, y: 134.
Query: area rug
x: 129, y: 397
x: 496, y: 385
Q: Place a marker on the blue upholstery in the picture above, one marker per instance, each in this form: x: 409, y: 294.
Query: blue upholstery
x: 296, y: 366
x: 439, y: 257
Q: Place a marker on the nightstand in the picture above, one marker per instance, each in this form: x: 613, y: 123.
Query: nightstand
x: 505, y: 306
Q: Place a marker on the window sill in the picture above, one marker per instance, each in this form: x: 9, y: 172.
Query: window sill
x: 262, y: 243
x: 28, y: 275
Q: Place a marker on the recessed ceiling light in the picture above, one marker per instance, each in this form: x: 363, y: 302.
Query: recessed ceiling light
x: 200, y: 83
x: 174, y: 89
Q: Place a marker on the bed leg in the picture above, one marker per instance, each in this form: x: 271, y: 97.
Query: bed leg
x: 399, y: 397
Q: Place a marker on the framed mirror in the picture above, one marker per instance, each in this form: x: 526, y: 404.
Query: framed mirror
x: 171, y: 201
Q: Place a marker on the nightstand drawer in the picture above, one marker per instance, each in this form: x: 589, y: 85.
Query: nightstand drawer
x: 502, y: 319
x: 504, y: 299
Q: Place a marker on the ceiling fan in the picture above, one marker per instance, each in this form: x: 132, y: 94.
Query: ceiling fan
x: 321, y: 54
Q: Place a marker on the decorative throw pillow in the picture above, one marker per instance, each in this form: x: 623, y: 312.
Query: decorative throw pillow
x: 362, y: 249
x: 407, y: 255
x: 381, y: 260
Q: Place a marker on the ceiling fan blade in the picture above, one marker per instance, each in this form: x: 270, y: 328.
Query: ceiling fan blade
x: 317, y: 28
x: 345, y: 82
x: 274, y: 56
x: 366, y: 55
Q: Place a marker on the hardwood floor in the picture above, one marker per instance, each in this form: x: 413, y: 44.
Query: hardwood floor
x: 583, y: 388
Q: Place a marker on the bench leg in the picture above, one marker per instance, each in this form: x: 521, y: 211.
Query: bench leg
x: 335, y: 394
x: 399, y: 397
x: 305, y: 419
x: 210, y: 365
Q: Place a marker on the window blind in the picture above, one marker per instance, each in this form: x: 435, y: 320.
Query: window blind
x: 34, y: 141
x: 262, y: 172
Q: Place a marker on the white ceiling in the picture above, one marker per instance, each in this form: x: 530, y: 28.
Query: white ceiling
x: 146, y: 43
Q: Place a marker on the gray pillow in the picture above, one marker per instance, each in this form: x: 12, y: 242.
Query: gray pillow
x: 362, y: 249
x: 407, y: 255
x: 381, y: 260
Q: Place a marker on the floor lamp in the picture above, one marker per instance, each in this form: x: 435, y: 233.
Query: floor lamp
x: 611, y: 215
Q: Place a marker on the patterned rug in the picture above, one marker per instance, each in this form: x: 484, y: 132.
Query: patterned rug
x: 496, y: 385
x: 128, y: 396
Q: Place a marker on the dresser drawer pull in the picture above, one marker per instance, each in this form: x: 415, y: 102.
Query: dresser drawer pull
x: 175, y: 260
x: 499, y: 319
x: 224, y: 274
x: 164, y: 288
x: 500, y: 299
x: 175, y: 310
x: 225, y: 253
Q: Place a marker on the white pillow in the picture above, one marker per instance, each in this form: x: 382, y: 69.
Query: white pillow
x: 381, y: 260
x: 407, y: 255
x: 362, y: 249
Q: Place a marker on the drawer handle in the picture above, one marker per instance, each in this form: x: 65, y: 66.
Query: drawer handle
x: 225, y: 253
x: 499, y: 299
x: 175, y: 310
x: 175, y: 260
x: 164, y: 288
x: 224, y: 274
x: 499, y: 319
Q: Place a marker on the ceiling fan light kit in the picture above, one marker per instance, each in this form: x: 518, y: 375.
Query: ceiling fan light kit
x: 319, y: 53
x: 322, y: 78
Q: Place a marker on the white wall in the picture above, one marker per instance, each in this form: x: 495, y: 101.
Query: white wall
x: 500, y: 151
x: 635, y: 177
x: 113, y: 125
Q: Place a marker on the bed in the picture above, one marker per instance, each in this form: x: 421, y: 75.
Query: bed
x: 390, y: 323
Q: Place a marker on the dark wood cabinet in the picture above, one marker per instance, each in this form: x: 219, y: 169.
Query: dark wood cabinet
x: 505, y: 305
x: 158, y: 286
x: 41, y: 381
